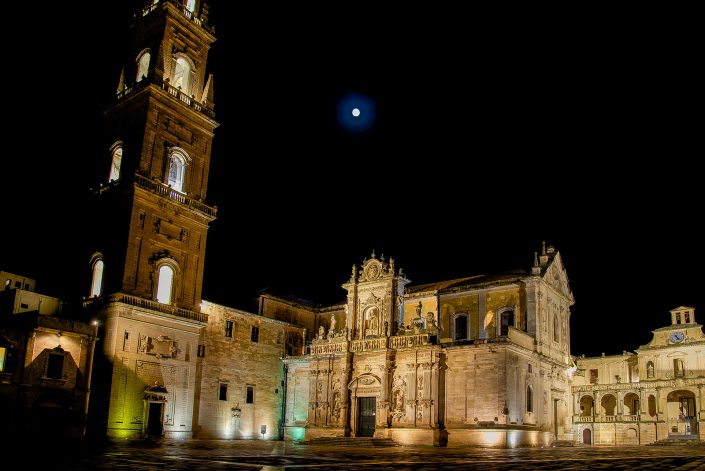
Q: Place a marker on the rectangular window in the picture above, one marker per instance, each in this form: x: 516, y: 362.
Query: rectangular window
x: 55, y: 366
x: 18, y: 284
x: 26, y: 286
x: 24, y: 306
x: 593, y: 376
x: 223, y: 392
x: 3, y: 357
x: 530, y: 368
x: 126, y: 342
x: 678, y: 318
x: 687, y: 317
x: 250, y: 395
x: 201, y: 351
x: 254, y: 335
x: 229, y: 329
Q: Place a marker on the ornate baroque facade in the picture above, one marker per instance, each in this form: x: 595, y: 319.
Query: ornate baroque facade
x: 481, y: 360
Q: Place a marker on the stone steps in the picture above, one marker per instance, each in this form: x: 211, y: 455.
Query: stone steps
x: 352, y: 442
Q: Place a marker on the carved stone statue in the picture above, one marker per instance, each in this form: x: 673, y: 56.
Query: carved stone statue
x: 321, y: 332
x: 332, y: 324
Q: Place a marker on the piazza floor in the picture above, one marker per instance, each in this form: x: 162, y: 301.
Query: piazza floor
x: 273, y: 455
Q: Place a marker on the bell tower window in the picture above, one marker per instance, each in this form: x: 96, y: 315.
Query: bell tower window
x: 165, y: 284
x: 143, y: 65
x: 177, y: 167
x: 190, y: 5
x: 116, y: 152
x: 97, y: 283
x: 182, y: 73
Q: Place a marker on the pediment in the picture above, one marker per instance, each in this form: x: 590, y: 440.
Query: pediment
x: 556, y: 277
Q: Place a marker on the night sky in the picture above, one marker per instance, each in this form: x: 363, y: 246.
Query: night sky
x: 490, y: 136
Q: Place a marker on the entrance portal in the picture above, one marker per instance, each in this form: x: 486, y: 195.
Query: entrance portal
x: 587, y: 436
x: 154, y: 420
x: 367, y: 407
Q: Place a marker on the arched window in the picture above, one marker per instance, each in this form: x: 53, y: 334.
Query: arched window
x: 182, y: 73
x: 461, y: 327
x: 116, y: 152
x: 177, y: 171
x: 506, y: 319
x: 165, y: 284
x: 97, y: 282
x: 143, y: 65
x: 529, y: 399
x: 678, y: 368
x: 190, y: 5
x: 556, y: 337
x: 650, y: 369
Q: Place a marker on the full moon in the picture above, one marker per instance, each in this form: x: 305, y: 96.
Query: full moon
x: 356, y: 112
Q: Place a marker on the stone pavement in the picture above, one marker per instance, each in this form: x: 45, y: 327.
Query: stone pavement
x: 274, y: 455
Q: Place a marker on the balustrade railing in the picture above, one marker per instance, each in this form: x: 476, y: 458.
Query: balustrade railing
x: 163, y: 190
x: 148, y: 304
x: 366, y: 345
x: 409, y: 341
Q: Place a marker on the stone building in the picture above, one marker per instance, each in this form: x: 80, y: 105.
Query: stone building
x: 169, y: 364
x: 482, y: 360
x: 45, y: 365
x: 653, y: 394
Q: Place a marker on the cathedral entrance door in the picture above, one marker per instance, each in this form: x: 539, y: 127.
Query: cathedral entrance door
x: 154, y: 420
x: 587, y: 436
x: 366, y: 417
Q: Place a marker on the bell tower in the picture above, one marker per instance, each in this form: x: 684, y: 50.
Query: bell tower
x: 151, y: 238
x: 149, y: 224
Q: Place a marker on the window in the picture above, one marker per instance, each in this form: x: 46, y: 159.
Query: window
x: 3, y: 358
x: 229, y: 328
x: 116, y: 152
x: 55, y: 366
x: 18, y: 284
x: 461, y: 327
x: 190, y: 5
x: 254, y: 335
x: 529, y: 399
x: 26, y: 286
x: 650, y: 369
x: 24, y: 305
x: 223, y: 392
x: 182, y: 73
x: 678, y: 370
x: 250, y: 395
x: 164, y: 285
x: 687, y: 317
x: 507, y: 319
x: 530, y: 368
x: 556, y: 337
x: 678, y: 318
x: 97, y: 283
x: 177, y: 167
x: 201, y: 351
x: 593, y: 377
x: 143, y: 66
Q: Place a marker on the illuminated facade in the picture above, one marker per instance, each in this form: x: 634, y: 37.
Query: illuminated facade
x: 161, y: 371
x: 653, y: 394
x: 474, y: 361
x: 45, y: 366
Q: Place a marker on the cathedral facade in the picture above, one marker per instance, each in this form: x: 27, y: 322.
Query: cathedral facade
x: 480, y: 360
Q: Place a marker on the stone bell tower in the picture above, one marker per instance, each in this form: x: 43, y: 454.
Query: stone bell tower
x: 150, y: 220
x: 375, y: 299
x: 151, y: 238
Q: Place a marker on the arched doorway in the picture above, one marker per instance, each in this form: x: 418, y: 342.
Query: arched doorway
x: 587, y: 436
x: 631, y: 404
x: 680, y: 411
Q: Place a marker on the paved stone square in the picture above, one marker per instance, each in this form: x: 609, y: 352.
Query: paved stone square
x: 278, y: 455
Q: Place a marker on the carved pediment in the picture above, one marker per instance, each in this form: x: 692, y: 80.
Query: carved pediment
x: 556, y: 276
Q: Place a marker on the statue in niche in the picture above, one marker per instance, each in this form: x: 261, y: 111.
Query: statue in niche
x: 332, y: 325
x: 398, y: 400
x: 321, y: 332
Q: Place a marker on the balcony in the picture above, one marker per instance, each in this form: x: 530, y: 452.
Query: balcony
x: 177, y: 5
x: 146, y: 304
x: 166, y: 191
x: 186, y: 100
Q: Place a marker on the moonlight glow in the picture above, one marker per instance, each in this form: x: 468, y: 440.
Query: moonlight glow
x: 356, y: 113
